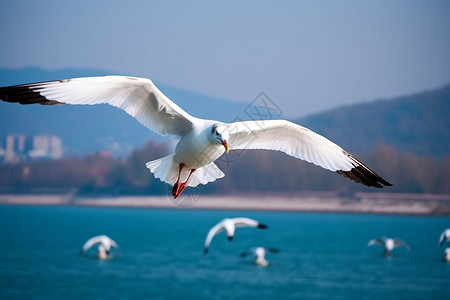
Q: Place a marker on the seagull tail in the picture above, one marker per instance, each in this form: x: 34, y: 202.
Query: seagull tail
x: 203, y: 175
x: 165, y: 169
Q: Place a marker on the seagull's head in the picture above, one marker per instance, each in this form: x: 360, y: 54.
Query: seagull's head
x: 220, y: 134
x: 389, y: 244
x: 260, y: 251
x: 229, y: 227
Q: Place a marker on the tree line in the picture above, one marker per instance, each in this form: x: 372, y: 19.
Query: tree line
x: 247, y: 172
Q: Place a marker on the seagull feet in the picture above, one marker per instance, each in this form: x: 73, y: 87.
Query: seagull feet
x: 179, y: 187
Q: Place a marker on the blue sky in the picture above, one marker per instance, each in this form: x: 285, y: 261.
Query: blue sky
x: 308, y: 56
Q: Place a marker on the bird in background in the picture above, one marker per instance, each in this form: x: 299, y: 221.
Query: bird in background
x: 103, y: 243
x: 201, y: 141
x: 388, y: 244
x: 445, y: 236
x: 259, y: 254
x: 229, y: 226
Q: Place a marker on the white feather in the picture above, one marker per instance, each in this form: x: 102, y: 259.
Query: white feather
x: 292, y: 139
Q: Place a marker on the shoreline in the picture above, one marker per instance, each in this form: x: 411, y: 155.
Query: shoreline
x: 365, y: 203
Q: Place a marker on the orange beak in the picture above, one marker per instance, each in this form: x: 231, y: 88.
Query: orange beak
x: 225, y: 144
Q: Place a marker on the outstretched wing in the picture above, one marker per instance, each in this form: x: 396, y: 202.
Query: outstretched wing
x: 247, y: 222
x: 401, y: 243
x: 273, y: 250
x: 443, y: 236
x: 113, y: 243
x: 244, y: 254
x: 91, y: 242
x: 212, y: 232
x: 139, y: 97
x: 379, y: 241
x: 302, y: 143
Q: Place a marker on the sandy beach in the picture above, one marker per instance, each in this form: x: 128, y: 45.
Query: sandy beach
x: 383, y: 203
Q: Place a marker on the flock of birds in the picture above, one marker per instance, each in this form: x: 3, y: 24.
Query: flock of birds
x: 104, y: 243
x: 229, y: 225
x: 201, y: 142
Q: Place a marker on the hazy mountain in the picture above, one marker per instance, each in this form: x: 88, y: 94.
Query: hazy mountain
x: 418, y: 123
x: 86, y: 129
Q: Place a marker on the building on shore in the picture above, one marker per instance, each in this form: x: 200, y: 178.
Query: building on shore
x: 18, y: 148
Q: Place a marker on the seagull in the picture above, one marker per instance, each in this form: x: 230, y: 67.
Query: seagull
x: 104, y: 246
x: 201, y: 141
x: 389, y: 244
x: 259, y: 253
x: 229, y: 225
x: 445, y: 236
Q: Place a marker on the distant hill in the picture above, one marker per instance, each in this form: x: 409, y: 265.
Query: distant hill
x: 418, y: 123
x: 86, y: 129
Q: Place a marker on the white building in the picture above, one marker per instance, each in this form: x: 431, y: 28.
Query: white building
x: 15, y: 148
x: 19, y: 147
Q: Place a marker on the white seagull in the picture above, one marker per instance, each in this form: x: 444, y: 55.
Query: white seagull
x: 201, y: 141
x: 260, y: 253
x: 104, y: 244
x: 389, y: 244
x: 229, y: 225
x: 445, y: 236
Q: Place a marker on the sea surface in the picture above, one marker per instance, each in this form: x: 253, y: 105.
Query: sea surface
x: 322, y: 256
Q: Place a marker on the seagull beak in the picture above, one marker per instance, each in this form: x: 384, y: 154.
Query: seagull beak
x: 225, y: 144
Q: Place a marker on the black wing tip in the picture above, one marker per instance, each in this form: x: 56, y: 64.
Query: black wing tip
x: 262, y: 226
x: 205, y: 251
x: 273, y: 250
x: 362, y: 174
x: 365, y: 176
x: 24, y: 94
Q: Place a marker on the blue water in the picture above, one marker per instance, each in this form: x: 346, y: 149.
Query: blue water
x: 322, y: 256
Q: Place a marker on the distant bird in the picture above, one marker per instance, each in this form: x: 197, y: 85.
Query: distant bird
x: 445, y: 236
x: 446, y: 255
x: 260, y: 253
x: 229, y: 225
x: 388, y: 243
x: 201, y: 141
x: 104, y: 244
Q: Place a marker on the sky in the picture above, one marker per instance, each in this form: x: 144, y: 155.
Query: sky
x: 307, y: 56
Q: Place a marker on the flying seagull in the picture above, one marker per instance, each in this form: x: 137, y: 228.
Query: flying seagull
x: 201, y: 141
x: 388, y: 244
x: 104, y: 244
x: 445, y: 236
x: 260, y: 255
x: 229, y: 225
